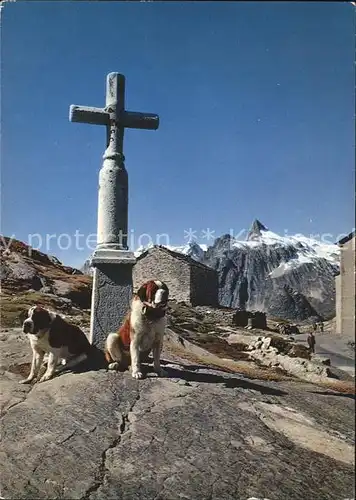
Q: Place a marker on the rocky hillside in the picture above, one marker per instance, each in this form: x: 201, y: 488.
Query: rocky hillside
x: 29, y: 277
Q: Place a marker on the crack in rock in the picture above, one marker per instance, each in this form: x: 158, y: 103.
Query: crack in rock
x: 124, y: 428
x: 67, y: 438
x: 24, y: 396
x: 102, y: 470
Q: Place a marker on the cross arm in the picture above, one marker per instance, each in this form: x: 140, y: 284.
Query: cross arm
x: 84, y: 114
x: 147, y: 121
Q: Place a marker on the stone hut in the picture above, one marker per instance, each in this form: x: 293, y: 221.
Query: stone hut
x: 188, y: 280
x: 345, y: 286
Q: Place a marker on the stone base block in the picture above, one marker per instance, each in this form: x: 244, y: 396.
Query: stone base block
x: 112, y: 293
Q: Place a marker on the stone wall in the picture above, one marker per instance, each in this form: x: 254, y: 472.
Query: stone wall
x: 338, y: 304
x: 258, y: 320
x: 204, y: 286
x: 219, y: 315
x: 160, y: 265
x: 241, y: 318
x: 347, y: 274
x: 255, y: 319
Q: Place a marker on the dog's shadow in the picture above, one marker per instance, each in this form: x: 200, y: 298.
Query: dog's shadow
x: 95, y: 362
x: 189, y: 373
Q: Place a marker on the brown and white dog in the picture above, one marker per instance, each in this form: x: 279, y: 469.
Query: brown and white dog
x: 142, y: 331
x: 50, y: 334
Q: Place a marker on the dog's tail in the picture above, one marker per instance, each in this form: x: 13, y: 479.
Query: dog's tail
x: 117, y: 344
x: 112, y: 348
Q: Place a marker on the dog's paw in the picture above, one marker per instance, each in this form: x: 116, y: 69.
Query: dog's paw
x: 46, y: 376
x: 114, y: 366
x: 137, y: 375
x: 162, y: 373
x: 26, y: 381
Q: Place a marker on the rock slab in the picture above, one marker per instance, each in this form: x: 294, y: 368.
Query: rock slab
x: 197, y: 434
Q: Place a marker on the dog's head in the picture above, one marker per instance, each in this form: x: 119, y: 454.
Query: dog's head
x: 155, y: 293
x: 37, y: 320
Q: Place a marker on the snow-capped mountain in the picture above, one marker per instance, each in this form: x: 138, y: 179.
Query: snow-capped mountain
x: 309, y: 249
x: 290, y: 277
x: 86, y: 267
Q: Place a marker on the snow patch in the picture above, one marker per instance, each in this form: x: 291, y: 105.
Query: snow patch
x: 291, y: 264
x: 308, y: 249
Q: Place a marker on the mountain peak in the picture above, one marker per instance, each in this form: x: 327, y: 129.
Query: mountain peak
x: 255, y: 230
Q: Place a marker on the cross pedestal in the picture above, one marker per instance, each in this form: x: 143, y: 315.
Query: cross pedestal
x: 112, y: 260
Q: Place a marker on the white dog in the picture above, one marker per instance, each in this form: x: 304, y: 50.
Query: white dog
x: 142, y: 331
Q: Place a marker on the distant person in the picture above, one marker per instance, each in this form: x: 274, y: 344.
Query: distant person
x: 315, y: 327
x: 321, y: 326
x: 311, y: 342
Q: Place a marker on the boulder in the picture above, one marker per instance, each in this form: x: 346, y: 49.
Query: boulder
x: 299, y: 351
x: 79, y: 293
x: 322, y: 360
x: 298, y: 367
x: 237, y: 338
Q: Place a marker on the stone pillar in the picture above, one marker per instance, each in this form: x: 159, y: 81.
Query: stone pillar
x: 112, y: 261
x: 112, y: 292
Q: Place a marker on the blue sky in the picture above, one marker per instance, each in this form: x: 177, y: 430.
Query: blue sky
x: 256, y: 106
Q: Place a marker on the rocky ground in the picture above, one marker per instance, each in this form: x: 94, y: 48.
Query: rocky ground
x: 203, y: 432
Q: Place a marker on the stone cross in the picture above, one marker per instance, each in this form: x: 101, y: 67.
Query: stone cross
x: 112, y: 261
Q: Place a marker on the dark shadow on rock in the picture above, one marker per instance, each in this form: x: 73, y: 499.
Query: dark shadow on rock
x: 208, y: 378
x: 189, y: 374
x: 194, y: 368
x: 338, y: 394
x: 245, y: 384
x: 96, y: 361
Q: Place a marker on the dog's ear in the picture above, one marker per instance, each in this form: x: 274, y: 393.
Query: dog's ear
x: 151, y: 290
x: 142, y: 293
x: 147, y: 291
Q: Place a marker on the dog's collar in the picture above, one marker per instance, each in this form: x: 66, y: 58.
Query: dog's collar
x: 152, y: 314
x: 149, y: 304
